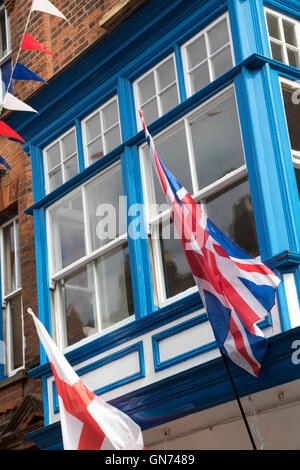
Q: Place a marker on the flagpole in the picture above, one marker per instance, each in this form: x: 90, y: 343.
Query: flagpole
x: 238, y: 401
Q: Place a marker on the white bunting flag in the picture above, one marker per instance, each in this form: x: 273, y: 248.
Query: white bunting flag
x: 46, y: 7
x: 14, y: 104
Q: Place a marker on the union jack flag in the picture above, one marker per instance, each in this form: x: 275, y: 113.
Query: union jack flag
x: 237, y: 290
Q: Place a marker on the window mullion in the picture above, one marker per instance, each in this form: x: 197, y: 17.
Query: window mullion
x: 283, y: 43
x: 157, y: 93
x: 97, y: 298
x: 62, y: 161
x: 209, y: 63
x: 87, y: 233
x: 191, y: 155
x: 102, y: 132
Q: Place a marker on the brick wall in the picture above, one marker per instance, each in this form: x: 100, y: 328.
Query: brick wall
x: 90, y: 21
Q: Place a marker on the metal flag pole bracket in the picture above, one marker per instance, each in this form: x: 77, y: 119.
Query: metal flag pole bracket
x: 239, y: 401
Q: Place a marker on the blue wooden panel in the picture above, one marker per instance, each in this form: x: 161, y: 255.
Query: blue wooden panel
x: 137, y: 347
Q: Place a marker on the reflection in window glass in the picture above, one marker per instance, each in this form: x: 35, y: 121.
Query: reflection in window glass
x: 157, y: 92
x: 103, y: 201
x: 217, y: 141
x: 231, y: 211
x: 67, y: 231
x: 178, y: 276
x: 79, y: 305
x: 172, y: 148
x: 113, y: 271
x: 292, y: 111
x: 10, y: 257
x: 16, y: 344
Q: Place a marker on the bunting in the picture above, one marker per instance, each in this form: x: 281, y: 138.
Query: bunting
x: 7, y: 131
x: 20, y: 72
x: 23, y: 73
x: 46, y: 7
x: 4, y: 162
x: 13, y: 103
x: 30, y: 43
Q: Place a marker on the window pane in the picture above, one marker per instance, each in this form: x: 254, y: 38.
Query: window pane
x: 172, y: 149
x: 95, y: 150
x: 222, y: 62
x: 293, y: 56
x: 55, y: 178
x: 169, y: 99
x: 93, y: 127
x: 146, y: 88
x: 110, y: 115
x: 15, y: 309
x: 19, y: 278
x: 277, y: 52
x: 273, y: 26
x: 112, y: 138
x: 150, y: 111
x: 200, y: 77
x: 69, y: 145
x: 114, y: 277
x: 290, y: 33
x: 67, y: 231
x: 196, y: 52
x: 178, y: 276
x: 71, y: 167
x: 3, y: 44
x: 53, y: 156
x: 79, y: 303
x: 218, y: 36
x: 231, y: 211
x: 166, y: 74
x: 292, y: 111
x: 103, y: 208
x: 217, y: 141
x: 9, y: 259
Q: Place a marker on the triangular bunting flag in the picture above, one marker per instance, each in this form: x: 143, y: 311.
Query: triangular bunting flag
x: 4, y: 162
x: 9, y: 132
x: 46, y: 7
x: 23, y: 73
x: 13, y: 103
x: 32, y: 44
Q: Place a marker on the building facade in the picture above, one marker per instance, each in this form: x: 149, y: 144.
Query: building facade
x: 218, y: 82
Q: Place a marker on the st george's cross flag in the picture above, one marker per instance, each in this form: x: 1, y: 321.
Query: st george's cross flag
x: 87, y: 421
x: 237, y: 290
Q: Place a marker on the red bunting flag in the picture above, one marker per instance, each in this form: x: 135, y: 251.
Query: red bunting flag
x: 9, y: 132
x: 32, y: 44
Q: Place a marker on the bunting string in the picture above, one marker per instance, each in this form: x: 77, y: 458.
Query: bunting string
x: 20, y: 72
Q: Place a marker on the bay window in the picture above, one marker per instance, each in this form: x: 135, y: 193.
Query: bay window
x: 89, y: 258
x: 12, y: 296
x: 205, y: 152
